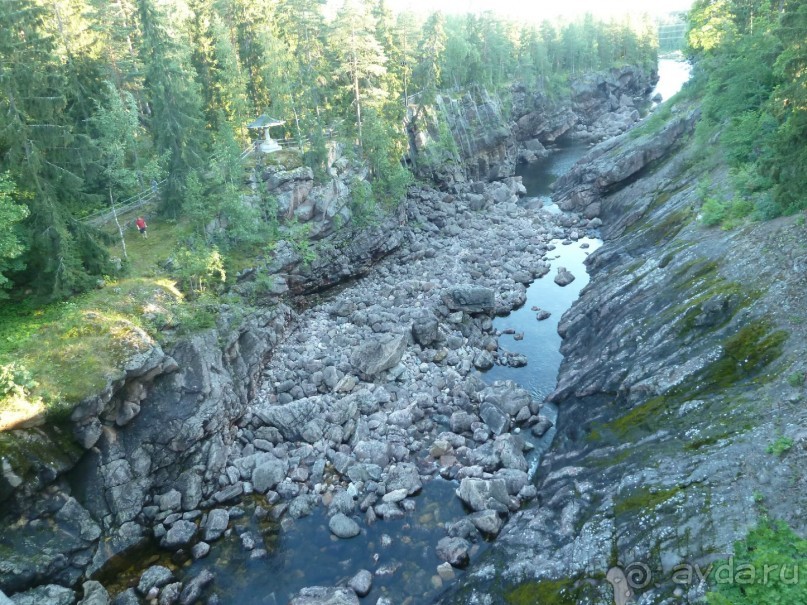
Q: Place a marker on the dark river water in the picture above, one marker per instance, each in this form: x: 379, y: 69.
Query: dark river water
x: 401, y: 554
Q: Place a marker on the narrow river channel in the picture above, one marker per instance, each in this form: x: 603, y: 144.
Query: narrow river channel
x: 401, y: 553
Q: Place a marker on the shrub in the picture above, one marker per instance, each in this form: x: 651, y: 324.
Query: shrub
x: 712, y: 212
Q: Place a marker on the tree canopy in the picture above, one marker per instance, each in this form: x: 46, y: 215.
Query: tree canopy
x: 751, y: 61
x: 100, y: 97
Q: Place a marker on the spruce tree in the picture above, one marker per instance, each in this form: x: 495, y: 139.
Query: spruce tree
x: 42, y: 154
x: 175, y: 105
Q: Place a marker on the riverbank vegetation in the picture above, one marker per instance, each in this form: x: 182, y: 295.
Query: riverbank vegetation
x: 751, y: 70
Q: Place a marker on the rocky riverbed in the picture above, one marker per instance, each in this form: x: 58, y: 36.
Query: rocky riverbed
x: 372, y: 394
x: 341, y: 413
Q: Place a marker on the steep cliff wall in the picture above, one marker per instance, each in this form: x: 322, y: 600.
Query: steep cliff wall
x: 482, y: 136
x: 683, y: 364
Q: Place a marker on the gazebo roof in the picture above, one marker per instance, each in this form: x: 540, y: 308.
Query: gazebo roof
x: 264, y: 120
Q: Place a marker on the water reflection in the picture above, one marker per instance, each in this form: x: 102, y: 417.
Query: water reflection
x: 399, y: 553
x: 541, y: 342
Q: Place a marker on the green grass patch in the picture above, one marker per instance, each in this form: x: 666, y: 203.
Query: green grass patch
x: 796, y: 379
x: 768, y: 566
x: 781, y: 446
x: 746, y: 353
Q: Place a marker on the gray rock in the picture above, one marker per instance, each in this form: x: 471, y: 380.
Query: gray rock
x: 483, y: 361
x: 542, y: 314
x: 482, y: 494
x: 73, y: 514
x: 94, y: 594
x: 372, y: 452
x: 297, y: 420
x: 540, y: 428
x: 320, y: 595
x: 170, y: 594
x: 470, y: 298
x: 302, y: 506
x: 460, y: 422
x: 127, y: 597
x: 268, y: 474
x: 342, y: 502
x: 564, y: 277
x: 194, y: 588
x: 404, y: 475
x: 190, y: 486
x: 454, y: 551
x: 217, y: 521
x: 488, y: 522
x: 52, y: 594
x: 388, y: 511
x: 200, y: 550
x: 180, y: 534
x: 379, y: 354
x: 425, y: 330
x: 508, y: 448
x: 170, y: 501
x: 361, y: 583
x: 343, y: 526
x: 496, y: 419
x: 155, y: 576
x: 515, y: 480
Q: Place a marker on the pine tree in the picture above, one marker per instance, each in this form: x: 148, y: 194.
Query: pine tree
x: 174, y: 100
x: 11, y: 247
x: 359, y: 58
x: 42, y: 154
x: 432, y: 45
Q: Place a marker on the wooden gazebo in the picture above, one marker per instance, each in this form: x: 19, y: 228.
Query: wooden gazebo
x: 267, y: 144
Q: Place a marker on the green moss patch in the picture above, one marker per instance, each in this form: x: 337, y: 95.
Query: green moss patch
x: 544, y: 592
x: 745, y: 355
x: 643, y: 500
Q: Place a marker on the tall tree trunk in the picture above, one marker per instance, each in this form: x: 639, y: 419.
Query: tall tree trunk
x: 120, y: 229
x: 356, y: 82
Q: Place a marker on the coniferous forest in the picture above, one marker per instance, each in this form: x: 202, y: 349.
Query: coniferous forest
x: 99, y: 99
x: 751, y: 71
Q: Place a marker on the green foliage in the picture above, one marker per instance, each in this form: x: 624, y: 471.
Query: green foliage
x: 362, y: 202
x: 643, y: 500
x: 15, y: 380
x: 383, y: 148
x: 712, y: 212
x: 199, y: 266
x: 11, y: 247
x: 751, y: 59
x: 768, y: 567
x: 780, y: 446
x: 796, y: 379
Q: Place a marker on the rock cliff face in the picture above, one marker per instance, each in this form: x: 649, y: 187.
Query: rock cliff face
x: 683, y: 363
x: 482, y: 137
x: 169, y: 422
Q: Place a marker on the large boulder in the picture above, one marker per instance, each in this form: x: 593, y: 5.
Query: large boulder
x: 379, y: 354
x: 483, y: 494
x: 425, y: 330
x: 343, y: 526
x: 52, y: 594
x: 320, y: 595
x: 564, y: 277
x: 470, y: 298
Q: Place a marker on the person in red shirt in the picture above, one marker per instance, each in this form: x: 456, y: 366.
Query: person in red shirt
x: 140, y: 223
